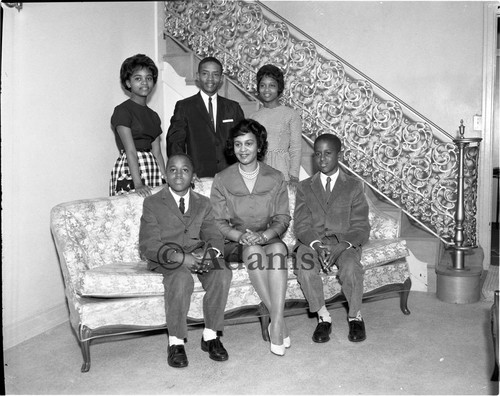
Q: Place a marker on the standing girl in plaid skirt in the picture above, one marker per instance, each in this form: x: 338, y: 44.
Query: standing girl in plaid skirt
x: 140, y: 166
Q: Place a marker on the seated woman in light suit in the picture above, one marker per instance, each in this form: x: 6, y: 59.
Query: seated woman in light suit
x: 250, y: 203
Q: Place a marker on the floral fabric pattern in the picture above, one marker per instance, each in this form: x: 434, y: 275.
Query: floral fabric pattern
x: 123, y: 279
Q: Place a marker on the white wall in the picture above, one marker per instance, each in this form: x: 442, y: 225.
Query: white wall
x: 60, y: 83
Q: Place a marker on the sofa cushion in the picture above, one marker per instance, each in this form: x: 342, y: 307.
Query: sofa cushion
x: 150, y: 310
x: 133, y: 279
x: 120, y: 279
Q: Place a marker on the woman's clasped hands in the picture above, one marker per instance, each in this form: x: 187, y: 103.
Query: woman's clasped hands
x: 250, y: 238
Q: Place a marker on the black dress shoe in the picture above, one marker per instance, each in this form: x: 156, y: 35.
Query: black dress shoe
x: 357, y: 331
x: 215, y: 349
x: 322, y: 332
x: 177, y: 356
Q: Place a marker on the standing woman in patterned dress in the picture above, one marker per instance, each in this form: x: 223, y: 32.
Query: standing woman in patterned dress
x: 140, y: 166
x: 283, y: 124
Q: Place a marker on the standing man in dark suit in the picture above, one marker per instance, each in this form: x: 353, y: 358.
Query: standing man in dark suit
x: 201, y: 123
x: 178, y: 236
x: 331, y: 225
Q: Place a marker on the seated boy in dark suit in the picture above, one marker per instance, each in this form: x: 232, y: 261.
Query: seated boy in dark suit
x: 178, y: 236
x: 331, y: 225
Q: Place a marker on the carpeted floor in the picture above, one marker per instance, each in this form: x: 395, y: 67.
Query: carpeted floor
x: 440, y: 348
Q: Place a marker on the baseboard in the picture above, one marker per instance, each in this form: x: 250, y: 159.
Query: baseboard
x: 27, y: 328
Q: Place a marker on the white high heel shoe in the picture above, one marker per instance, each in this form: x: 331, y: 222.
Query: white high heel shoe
x: 277, y: 349
x: 287, y: 342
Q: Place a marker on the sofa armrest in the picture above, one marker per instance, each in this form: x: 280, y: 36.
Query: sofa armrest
x: 72, y: 255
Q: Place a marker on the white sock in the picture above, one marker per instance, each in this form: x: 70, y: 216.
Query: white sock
x: 324, y: 315
x: 209, y: 334
x: 172, y: 340
x: 357, y: 317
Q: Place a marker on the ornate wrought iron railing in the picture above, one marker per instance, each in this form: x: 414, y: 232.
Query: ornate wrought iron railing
x: 393, y: 148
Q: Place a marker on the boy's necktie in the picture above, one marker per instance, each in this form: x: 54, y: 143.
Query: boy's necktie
x: 327, y: 188
x: 211, y: 111
x: 181, y: 205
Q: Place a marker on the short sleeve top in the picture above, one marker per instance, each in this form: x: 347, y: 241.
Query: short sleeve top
x: 144, y: 123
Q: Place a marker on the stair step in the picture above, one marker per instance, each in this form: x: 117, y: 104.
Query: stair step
x: 183, y: 61
x: 184, y: 66
x: 173, y: 47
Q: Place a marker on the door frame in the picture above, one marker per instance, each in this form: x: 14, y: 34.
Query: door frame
x: 491, y: 12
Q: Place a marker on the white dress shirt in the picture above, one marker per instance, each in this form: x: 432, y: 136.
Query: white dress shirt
x: 333, y: 180
x: 178, y: 198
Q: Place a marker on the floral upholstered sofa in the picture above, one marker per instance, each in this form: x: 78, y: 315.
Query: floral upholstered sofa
x: 110, y: 292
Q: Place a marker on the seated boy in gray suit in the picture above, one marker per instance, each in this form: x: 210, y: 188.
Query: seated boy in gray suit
x: 331, y: 225
x: 178, y: 236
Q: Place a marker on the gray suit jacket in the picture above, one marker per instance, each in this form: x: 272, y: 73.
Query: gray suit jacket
x: 344, y: 215
x: 162, y: 223
x: 265, y: 207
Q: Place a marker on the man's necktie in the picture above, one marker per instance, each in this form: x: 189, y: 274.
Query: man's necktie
x: 211, y: 111
x: 181, y: 205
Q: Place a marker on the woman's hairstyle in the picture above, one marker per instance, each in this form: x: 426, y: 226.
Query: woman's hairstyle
x: 245, y: 126
x: 134, y: 63
x: 273, y: 72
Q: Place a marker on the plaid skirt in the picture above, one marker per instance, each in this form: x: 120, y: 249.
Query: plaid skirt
x: 121, y: 180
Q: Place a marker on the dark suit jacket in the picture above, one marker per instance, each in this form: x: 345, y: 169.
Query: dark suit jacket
x: 344, y: 216
x: 162, y: 223
x: 192, y: 132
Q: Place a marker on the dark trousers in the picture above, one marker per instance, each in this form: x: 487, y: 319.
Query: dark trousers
x: 179, y: 285
x: 350, y: 274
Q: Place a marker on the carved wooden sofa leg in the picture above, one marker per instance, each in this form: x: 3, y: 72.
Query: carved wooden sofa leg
x: 85, y: 333
x: 404, y: 296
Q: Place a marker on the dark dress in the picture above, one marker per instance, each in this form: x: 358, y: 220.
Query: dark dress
x: 145, y: 125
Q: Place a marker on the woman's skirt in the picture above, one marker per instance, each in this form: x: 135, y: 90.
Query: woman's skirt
x: 233, y: 251
x: 121, y: 180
